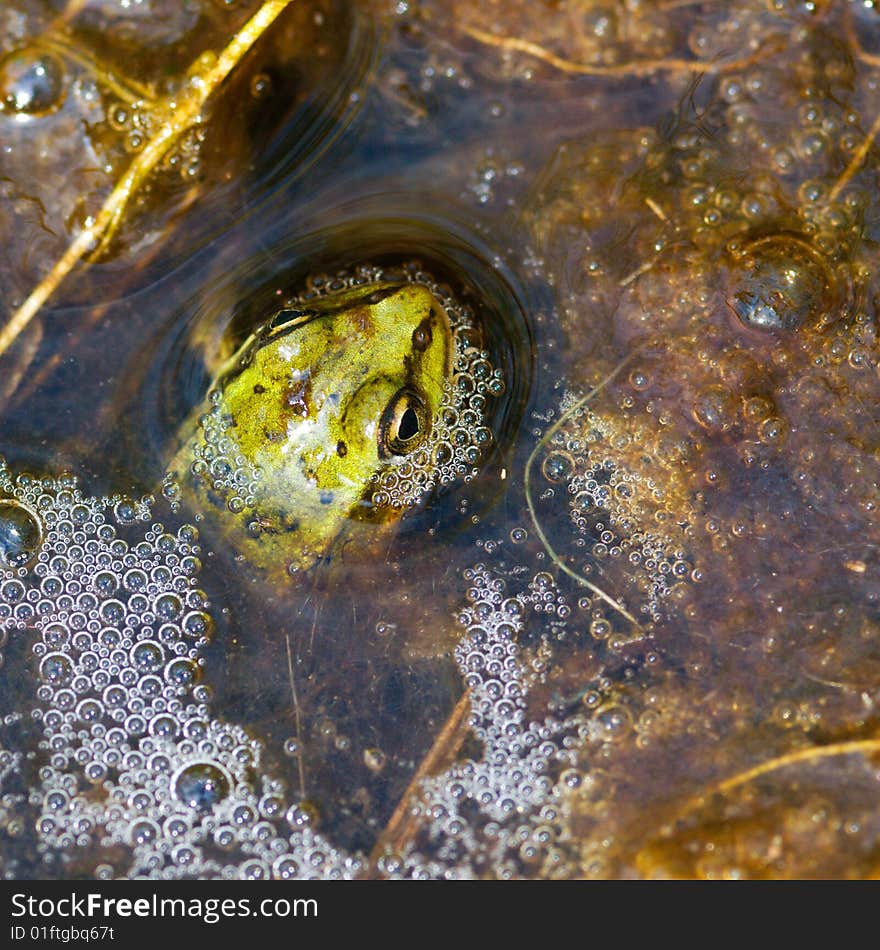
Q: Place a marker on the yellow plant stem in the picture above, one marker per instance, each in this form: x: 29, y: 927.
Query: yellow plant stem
x: 179, y: 113
x: 644, y: 67
x: 856, y: 161
x: 798, y: 756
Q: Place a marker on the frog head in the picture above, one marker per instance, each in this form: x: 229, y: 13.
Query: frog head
x: 312, y: 407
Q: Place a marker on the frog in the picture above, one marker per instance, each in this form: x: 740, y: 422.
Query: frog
x: 310, y: 410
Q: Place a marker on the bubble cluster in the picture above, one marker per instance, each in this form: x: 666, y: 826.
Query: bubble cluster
x: 134, y: 767
x: 506, y: 814
x: 135, y: 123
x: 217, y: 460
x: 767, y: 241
x: 137, y: 778
x: 626, y: 513
x: 131, y: 760
x: 511, y: 789
x: 494, y: 176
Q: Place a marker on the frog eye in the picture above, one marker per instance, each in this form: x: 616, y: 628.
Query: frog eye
x: 285, y: 320
x: 405, y: 424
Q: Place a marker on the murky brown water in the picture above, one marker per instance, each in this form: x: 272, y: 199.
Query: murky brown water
x: 638, y: 637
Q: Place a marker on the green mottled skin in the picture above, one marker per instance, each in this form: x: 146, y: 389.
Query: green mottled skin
x: 318, y: 399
